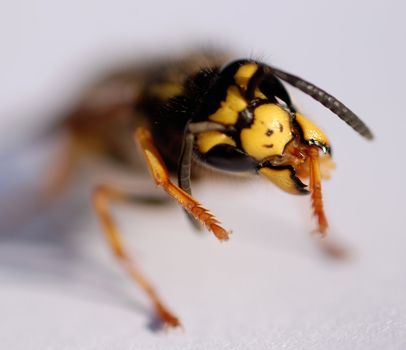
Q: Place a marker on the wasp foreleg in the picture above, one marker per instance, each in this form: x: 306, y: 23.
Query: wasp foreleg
x: 185, y: 161
x: 161, y: 177
x: 184, y: 172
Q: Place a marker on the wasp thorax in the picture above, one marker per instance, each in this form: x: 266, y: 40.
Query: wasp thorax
x: 269, y: 132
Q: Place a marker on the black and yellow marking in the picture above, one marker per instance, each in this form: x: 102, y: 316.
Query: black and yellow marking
x: 312, y: 133
x: 243, y: 77
x: 207, y: 140
x: 285, y: 179
x: 234, y: 103
x: 269, y: 133
x: 235, y: 100
x: 244, y: 74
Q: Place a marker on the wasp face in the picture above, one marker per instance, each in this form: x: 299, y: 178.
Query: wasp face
x: 262, y: 130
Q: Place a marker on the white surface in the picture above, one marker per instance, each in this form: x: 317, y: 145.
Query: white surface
x: 269, y: 287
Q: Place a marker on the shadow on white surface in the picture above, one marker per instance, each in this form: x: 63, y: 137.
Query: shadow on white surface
x: 40, y: 243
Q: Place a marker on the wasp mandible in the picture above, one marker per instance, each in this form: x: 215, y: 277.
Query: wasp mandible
x: 232, y: 117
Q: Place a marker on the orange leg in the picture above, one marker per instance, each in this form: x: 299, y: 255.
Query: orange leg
x: 103, y: 195
x: 161, y: 177
x: 315, y: 189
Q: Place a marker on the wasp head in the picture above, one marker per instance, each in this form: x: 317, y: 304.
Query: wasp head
x: 262, y: 124
x: 258, y: 127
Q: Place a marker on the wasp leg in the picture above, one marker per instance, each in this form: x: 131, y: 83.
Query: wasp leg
x: 184, y: 170
x: 315, y: 192
x: 102, y: 196
x: 161, y: 176
x: 185, y: 161
x: 62, y: 168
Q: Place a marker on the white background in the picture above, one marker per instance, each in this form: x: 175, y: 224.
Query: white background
x: 269, y: 287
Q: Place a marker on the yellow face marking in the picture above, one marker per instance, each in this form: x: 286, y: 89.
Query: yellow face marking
x: 269, y: 134
x: 207, y: 140
x: 281, y: 178
x: 165, y: 91
x: 311, y: 131
x: 227, y: 114
x: 244, y: 74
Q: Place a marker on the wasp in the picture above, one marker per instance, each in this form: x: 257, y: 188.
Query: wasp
x: 231, y: 116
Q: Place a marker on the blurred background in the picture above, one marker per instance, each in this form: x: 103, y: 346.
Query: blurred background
x: 269, y: 287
